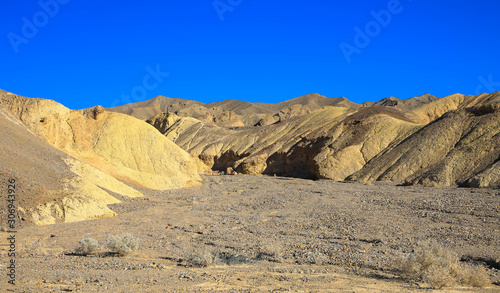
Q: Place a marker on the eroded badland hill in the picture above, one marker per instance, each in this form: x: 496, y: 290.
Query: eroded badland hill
x: 425, y: 140
x: 400, y: 173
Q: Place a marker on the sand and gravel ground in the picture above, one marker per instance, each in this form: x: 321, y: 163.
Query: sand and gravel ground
x: 264, y: 234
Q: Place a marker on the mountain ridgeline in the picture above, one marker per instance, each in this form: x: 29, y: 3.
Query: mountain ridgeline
x: 424, y: 140
x: 71, y: 165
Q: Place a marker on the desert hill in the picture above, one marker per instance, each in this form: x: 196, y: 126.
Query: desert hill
x: 330, y: 143
x: 149, y: 108
x: 450, y: 150
x: 423, y: 140
x: 72, y: 164
x: 69, y: 163
x: 409, y: 104
x: 232, y: 113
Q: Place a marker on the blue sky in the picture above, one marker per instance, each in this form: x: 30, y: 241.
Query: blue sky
x: 85, y: 53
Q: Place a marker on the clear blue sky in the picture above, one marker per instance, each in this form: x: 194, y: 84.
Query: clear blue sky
x: 84, y: 53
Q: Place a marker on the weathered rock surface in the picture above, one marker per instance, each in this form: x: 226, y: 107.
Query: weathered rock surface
x: 71, y: 164
x: 448, y: 151
x: 489, y: 177
x: 330, y: 143
x: 424, y: 140
x: 231, y: 113
x: 71, y: 160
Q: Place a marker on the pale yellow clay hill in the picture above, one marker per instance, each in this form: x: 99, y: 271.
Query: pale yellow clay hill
x: 424, y: 140
x: 103, y: 149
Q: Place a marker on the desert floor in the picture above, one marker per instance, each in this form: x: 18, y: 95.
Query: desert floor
x: 264, y: 234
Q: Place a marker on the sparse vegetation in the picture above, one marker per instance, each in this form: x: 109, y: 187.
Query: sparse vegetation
x: 200, y: 258
x: 230, y: 258
x: 271, y: 250
x: 280, y: 233
x: 440, y: 268
x: 123, y: 244
x: 190, y: 201
x: 205, y: 257
x: 87, y: 246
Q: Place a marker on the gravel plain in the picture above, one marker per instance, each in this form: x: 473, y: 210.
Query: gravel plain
x: 265, y: 234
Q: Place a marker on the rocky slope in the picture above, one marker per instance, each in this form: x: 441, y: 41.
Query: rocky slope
x: 424, y: 140
x: 70, y: 165
x: 264, y: 234
x: 331, y: 143
x: 454, y: 149
x: 231, y: 112
x: 70, y: 162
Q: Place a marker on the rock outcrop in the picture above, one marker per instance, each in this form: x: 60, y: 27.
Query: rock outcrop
x: 424, y: 140
x: 330, y: 143
x: 69, y: 160
x: 69, y: 165
x: 447, y: 151
x: 232, y: 113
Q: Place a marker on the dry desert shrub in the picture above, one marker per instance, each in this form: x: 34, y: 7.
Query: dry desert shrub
x: 231, y: 258
x: 123, y: 244
x: 200, y: 258
x: 475, y: 276
x: 271, y: 250
x: 440, y: 268
x: 87, y: 246
x: 205, y: 257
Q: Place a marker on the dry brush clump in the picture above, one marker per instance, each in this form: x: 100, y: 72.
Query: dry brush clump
x: 122, y: 244
x: 87, y: 246
x: 440, y: 268
x: 200, y: 258
x: 271, y: 250
x: 205, y: 257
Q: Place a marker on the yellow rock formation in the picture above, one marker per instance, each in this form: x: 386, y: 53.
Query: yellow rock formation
x: 103, y: 149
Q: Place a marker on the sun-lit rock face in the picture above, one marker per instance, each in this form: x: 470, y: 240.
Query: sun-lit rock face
x: 424, y: 140
x: 70, y: 164
x: 87, y: 153
x: 453, y: 149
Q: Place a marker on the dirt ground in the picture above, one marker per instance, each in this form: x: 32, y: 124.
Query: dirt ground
x: 263, y: 234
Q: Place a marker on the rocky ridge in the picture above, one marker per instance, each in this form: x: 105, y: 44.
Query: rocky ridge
x: 73, y: 164
x: 424, y: 140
